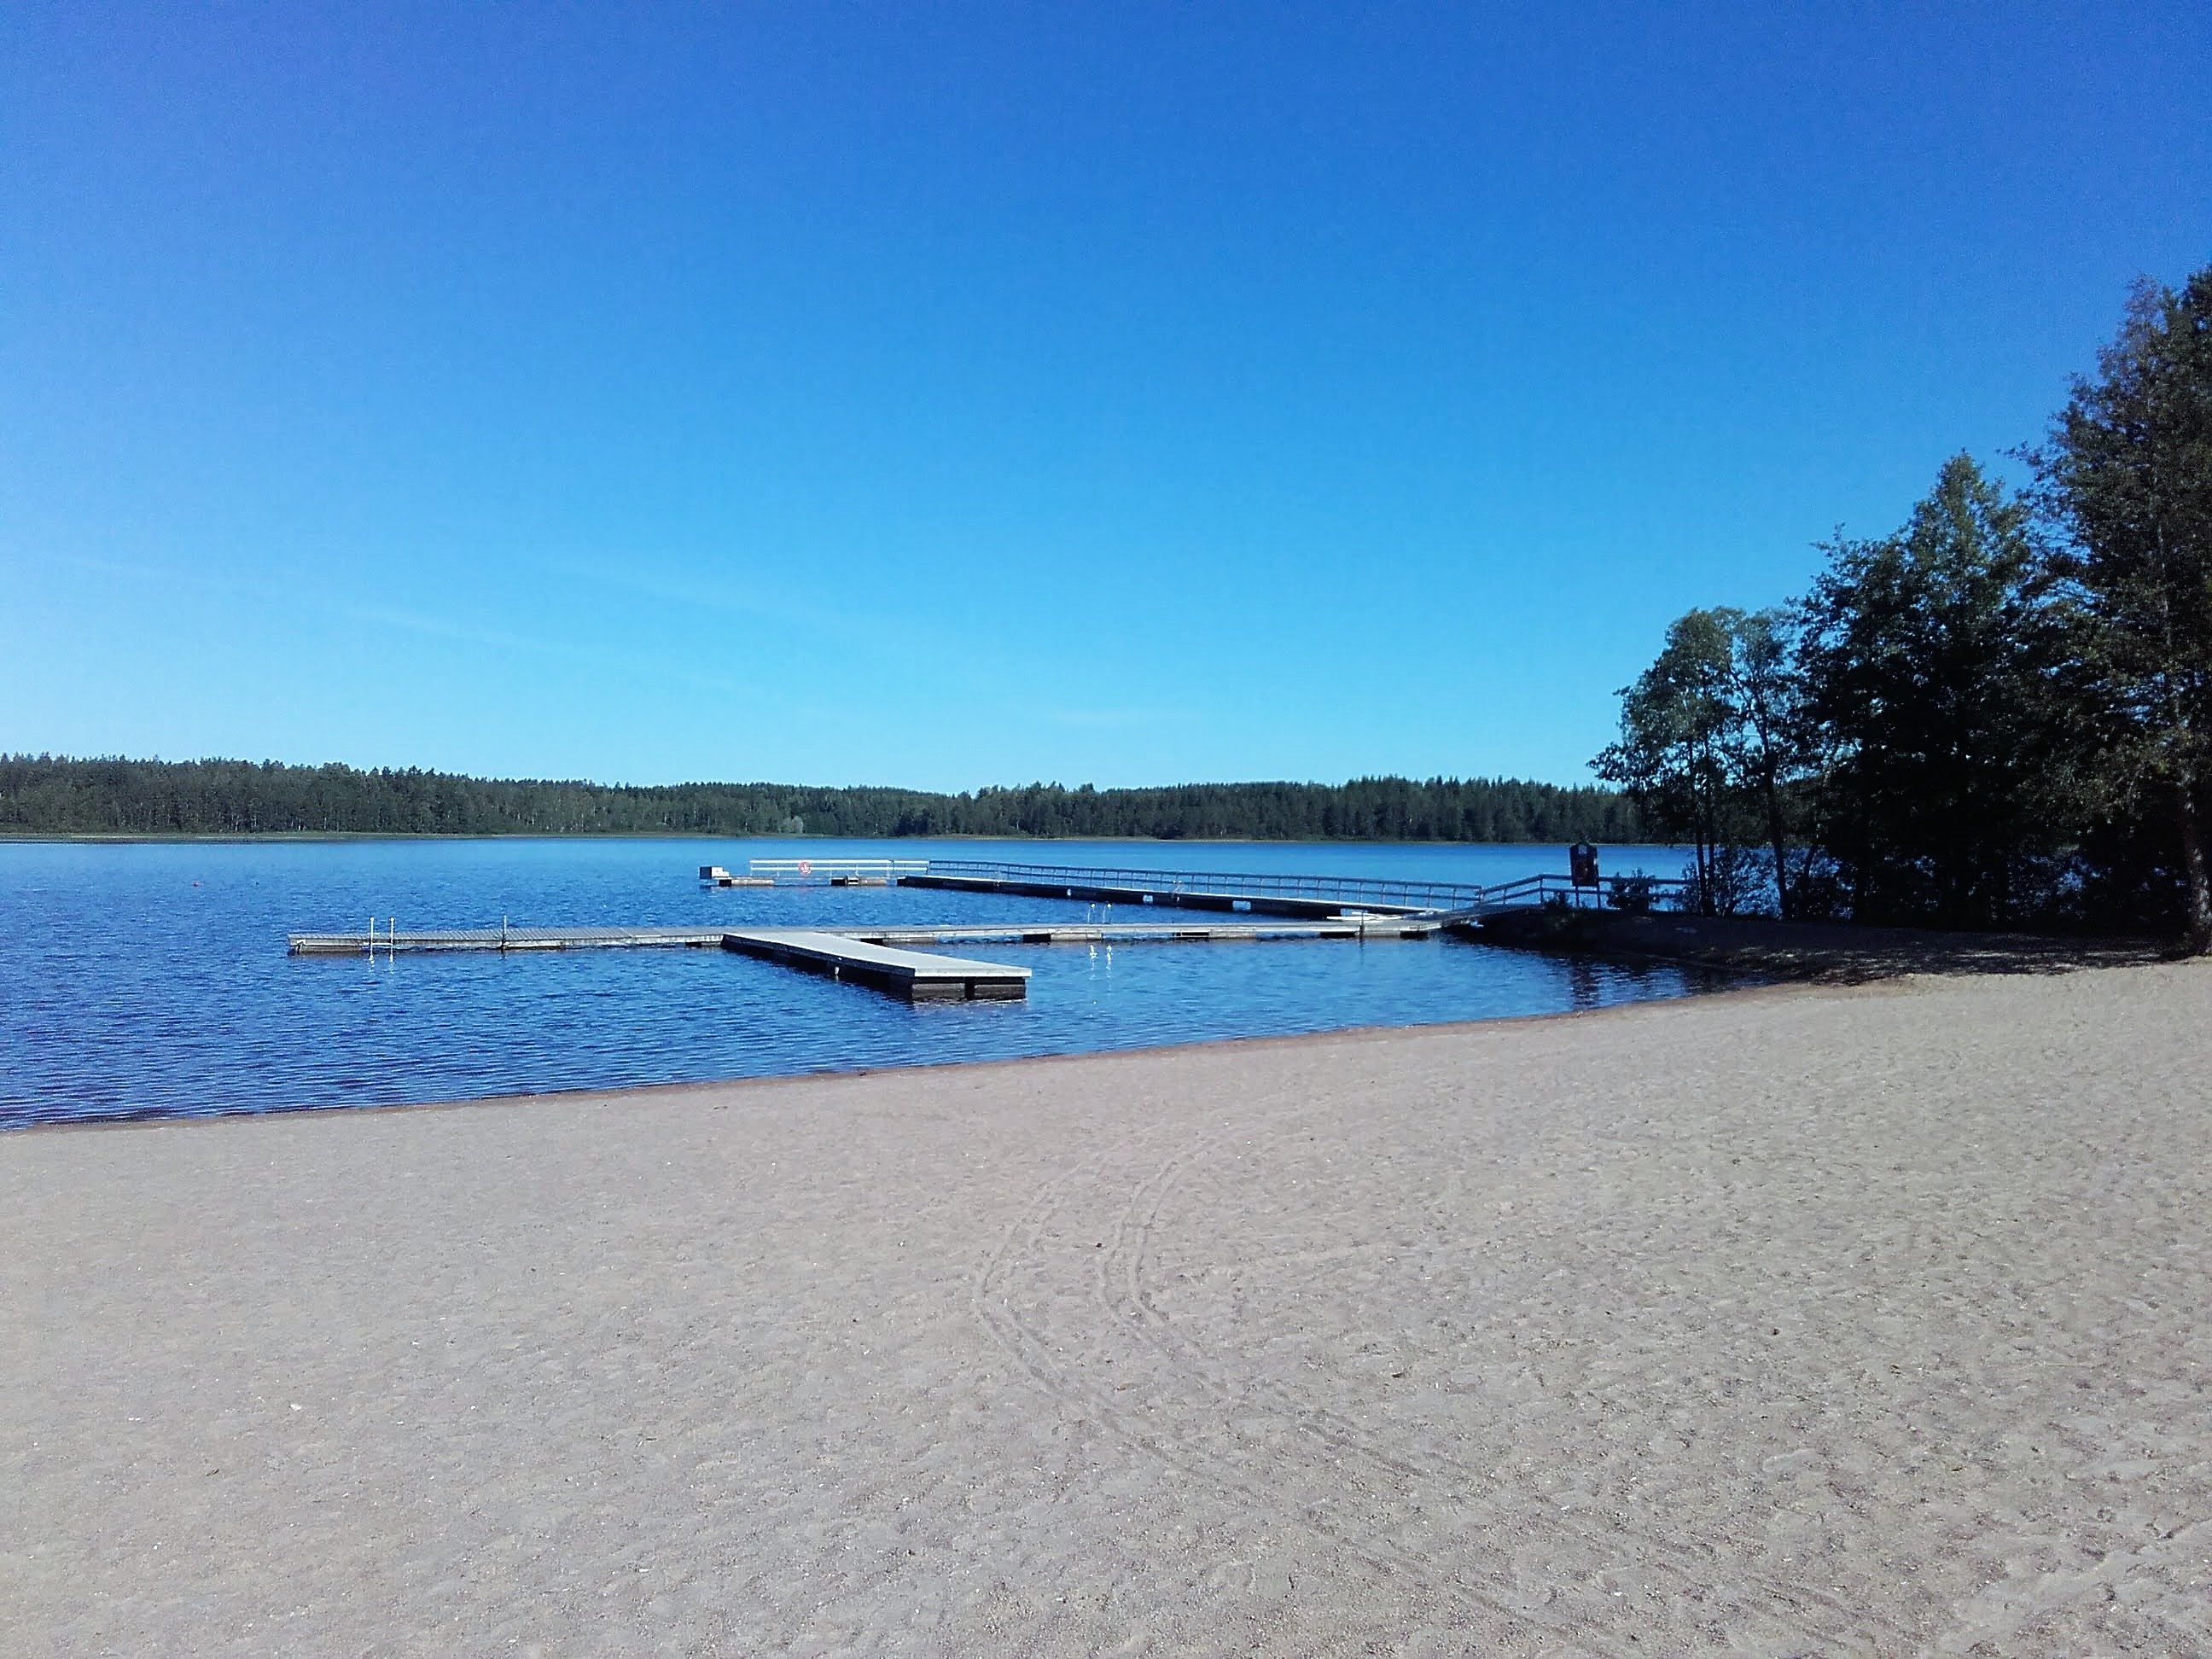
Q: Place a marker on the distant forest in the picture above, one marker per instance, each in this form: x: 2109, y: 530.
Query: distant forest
x: 47, y: 794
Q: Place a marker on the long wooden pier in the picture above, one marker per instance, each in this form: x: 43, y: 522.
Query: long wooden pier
x: 1151, y: 933
x: 1455, y: 904
x: 1309, y: 898
x: 1161, y: 890
x: 500, y: 939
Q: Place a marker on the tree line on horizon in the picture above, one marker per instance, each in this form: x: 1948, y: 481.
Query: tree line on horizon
x: 1998, y: 715
x: 48, y: 794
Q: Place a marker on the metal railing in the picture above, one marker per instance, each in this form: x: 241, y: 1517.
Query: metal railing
x: 1470, y: 897
x: 1632, y: 891
x: 1340, y: 890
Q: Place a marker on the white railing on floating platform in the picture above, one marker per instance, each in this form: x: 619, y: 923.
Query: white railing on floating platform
x: 798, y: 872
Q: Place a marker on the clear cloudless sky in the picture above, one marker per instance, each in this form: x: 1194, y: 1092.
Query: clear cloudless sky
x: 948, y: 394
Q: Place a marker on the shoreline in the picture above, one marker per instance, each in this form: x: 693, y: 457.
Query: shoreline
x: 1860, y: 1319
x: 616, y: 1096
x: 1773, y: 970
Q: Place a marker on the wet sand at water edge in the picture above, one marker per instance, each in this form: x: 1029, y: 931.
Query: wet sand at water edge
x: 1822, y: 1319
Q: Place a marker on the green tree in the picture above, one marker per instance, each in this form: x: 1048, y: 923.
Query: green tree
x: 1763, y: 739
x: 1931, y: 661
x: 1670, y: 756
x: 1710, y: 745
x: 2127, y: 473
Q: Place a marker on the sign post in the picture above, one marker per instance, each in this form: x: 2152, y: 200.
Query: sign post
x: 1582, y: 861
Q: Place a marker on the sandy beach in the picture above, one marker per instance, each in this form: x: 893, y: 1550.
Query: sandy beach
x: 1826, y: 1320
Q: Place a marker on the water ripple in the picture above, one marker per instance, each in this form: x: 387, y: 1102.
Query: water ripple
x: 151, y: 981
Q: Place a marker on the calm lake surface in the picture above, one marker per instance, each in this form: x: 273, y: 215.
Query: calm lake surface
x: 152, y: 981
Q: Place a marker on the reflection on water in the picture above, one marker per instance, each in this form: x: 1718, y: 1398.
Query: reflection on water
x: 1586, y: 983
x: 151, y: 981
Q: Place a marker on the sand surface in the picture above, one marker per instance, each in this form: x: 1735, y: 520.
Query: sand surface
x: 1875, y: 1320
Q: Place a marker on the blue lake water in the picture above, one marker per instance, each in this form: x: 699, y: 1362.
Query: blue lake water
x: 152, y: 980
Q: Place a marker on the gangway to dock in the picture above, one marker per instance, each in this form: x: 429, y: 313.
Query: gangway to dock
x: 1317, y: 896
x: 1310, y: 897
x: 1443, y: 902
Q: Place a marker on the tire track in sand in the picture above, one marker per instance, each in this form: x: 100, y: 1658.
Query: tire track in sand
x: 1136, y: 1310
x: 1159, y: 1422
x: 1134, y: 1372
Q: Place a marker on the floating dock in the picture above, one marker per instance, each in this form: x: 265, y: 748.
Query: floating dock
x: 916, y: 976
x: 500, y: 939
x: 1318, y: 906
x: 879, y: 957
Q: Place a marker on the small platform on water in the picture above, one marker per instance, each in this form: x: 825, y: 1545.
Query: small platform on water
x: 917, y: 976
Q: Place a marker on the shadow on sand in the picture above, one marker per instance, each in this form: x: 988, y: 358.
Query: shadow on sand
x: 1835, y: 952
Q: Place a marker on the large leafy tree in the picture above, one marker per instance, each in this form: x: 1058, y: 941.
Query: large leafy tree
x: 1932, y: 661
x: 1670, y: 755
x: 2127, y: 473
x: 1763, y: 739
x: 1709, y: 747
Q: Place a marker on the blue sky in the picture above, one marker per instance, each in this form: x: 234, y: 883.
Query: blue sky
x: 957, y: 394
